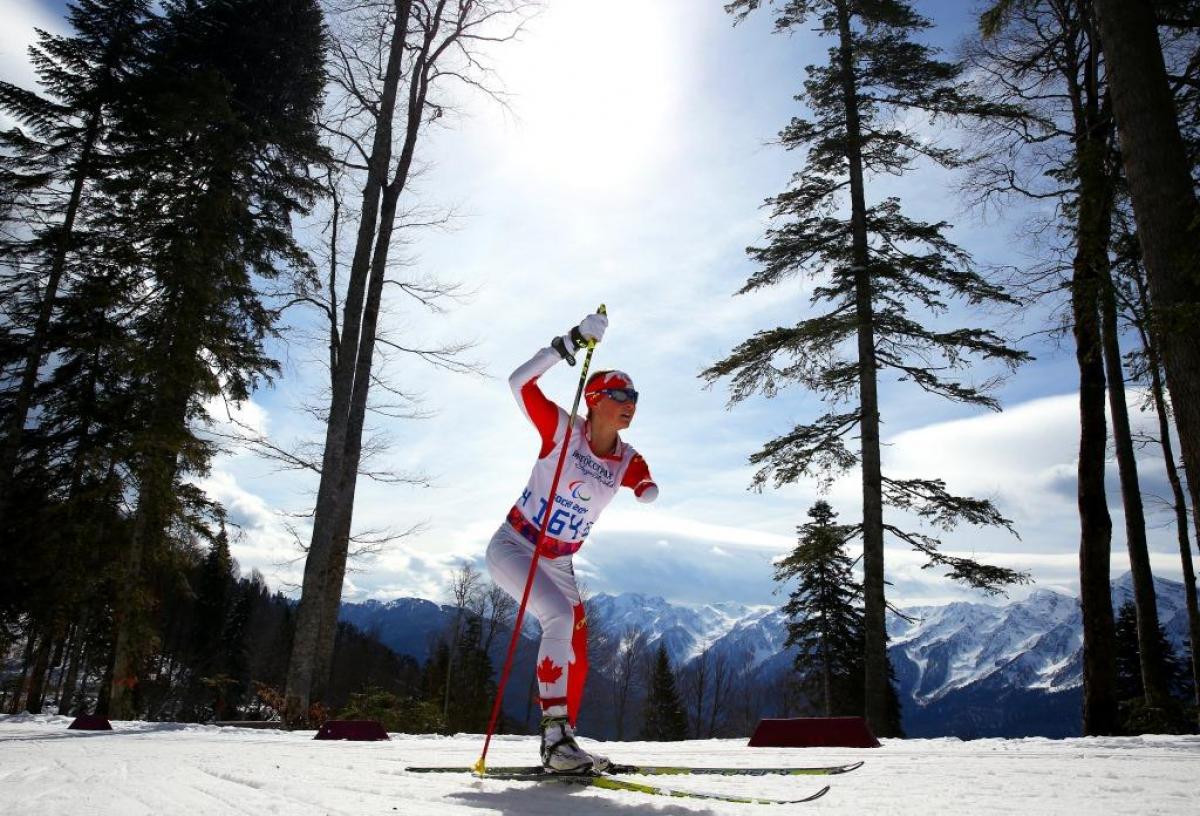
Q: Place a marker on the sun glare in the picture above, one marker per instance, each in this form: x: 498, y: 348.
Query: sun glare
x: 594, y: 84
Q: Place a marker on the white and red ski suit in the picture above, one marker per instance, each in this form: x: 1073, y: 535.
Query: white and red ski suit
x: 588, y: 483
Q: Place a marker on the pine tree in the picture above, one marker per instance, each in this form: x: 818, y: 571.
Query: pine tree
x: 473, y: 687
x: 213, y: 154
x: 213, y: 587
x: 59, y: 291
x: 1129, y: 672
x: 665, y: 720
x: 873, y: 267
x: 48, y: 169
x: 823, y: 620
x: 1138, y: 715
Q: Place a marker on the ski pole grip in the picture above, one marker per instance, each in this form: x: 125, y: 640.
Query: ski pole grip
x: 604, y: 311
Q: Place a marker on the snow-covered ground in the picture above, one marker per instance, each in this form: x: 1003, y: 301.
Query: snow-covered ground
x: 163, y: 768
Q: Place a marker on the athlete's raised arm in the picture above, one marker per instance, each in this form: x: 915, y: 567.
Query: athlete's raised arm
x: 547, y: 417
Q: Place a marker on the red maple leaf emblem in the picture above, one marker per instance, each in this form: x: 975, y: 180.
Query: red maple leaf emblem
x: 548, y: 672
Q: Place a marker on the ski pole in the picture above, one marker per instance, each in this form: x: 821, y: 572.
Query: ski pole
x: 480, y: 767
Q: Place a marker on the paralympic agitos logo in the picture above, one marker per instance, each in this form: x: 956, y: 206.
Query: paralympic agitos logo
x: 575, y: 488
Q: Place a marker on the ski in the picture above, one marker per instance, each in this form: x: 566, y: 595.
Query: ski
x: 684, y: 770
x: 610, y: 783
x: 660, y: 770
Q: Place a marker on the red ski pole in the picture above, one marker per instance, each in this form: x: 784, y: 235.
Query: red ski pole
x: 480, y: 768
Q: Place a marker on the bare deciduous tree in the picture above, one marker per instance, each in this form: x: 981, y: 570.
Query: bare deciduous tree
x: 627, y: 668
x: 466, y: 592
x: 391, y: 59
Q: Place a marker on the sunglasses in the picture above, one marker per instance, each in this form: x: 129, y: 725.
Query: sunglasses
x: 621, y: 394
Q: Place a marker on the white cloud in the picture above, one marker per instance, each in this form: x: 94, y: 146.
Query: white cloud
x: 238, y: 418
x: 262, y: 540
x: 641, y: 520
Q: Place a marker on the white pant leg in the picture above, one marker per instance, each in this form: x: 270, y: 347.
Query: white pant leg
x: 552, y: 600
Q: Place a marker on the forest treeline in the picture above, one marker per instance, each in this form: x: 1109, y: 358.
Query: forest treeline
x: 223, y: 651
x: 150, y: 186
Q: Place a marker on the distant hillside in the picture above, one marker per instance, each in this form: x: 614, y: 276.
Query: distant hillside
x: 964, y: 669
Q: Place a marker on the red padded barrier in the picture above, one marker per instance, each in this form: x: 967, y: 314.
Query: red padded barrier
x: 354, y: 730
x: 814, y: 732
x: 90, y: 722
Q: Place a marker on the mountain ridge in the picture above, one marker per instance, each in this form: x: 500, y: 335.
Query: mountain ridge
x: 963, y: 669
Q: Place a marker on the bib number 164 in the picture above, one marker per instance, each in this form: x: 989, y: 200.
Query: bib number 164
x: 562, y: 520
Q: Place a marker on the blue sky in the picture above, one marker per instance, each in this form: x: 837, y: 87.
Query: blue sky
x: 630, y: 168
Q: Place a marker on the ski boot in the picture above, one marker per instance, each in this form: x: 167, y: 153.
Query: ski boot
x: 560, y: 752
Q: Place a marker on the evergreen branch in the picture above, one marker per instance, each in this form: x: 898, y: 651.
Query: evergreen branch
x: 817, y: 449
x: 796, y: 244
x: 990, y: 579
x: 40, y: 114
x: 995, y: 18
x: 899, y: 338
x: 899, y: 613
x: 929, y: 499
x: 929, y: 382
x: 752, y: 364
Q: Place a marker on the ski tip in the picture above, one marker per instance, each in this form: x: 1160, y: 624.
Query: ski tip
x: 849, y: 768
x: 816, y: 795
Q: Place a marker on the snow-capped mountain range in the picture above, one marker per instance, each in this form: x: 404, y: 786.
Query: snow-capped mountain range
x: 966, y: 669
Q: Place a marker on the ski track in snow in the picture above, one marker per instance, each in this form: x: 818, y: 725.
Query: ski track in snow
x: 141, y: 769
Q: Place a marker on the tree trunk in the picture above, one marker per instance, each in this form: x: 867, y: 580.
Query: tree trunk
x: 131, y: 618
x: 722, y: 679
x: 1090, y: 277
x: 363, y: 358
x: 874, y: 602
x: 826, y: 673
x: 450, y: 666
x: 37, y: 678
x: 74, y: 659
x: 1099, y: 662
x: 19, y: 692
x: 701, y: 683
x: 352, y: 454
x: 1178, y: 497
x: 57, y: 663
x: 1164, y: 201
x: 1181, y: 528
x: 313, y: 638
x: 156, y: 495
x: 104, y: 694
x: 1153, y: 670
x: 1099, y: 668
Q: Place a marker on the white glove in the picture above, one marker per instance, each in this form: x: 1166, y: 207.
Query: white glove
x: 592, y: 327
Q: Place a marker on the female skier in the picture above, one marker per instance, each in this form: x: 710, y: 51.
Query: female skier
x: 598, y: 462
